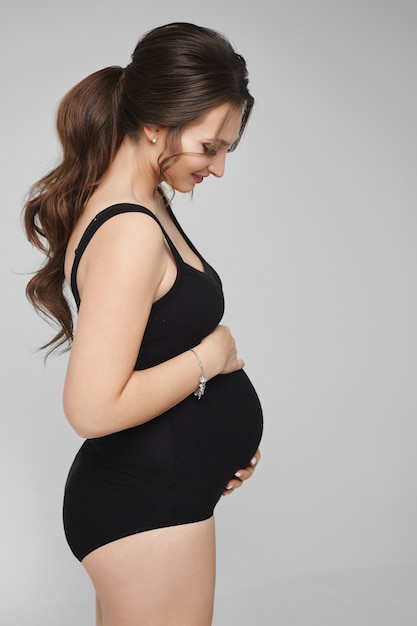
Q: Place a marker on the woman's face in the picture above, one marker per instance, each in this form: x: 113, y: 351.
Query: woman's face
x: 205, y: 144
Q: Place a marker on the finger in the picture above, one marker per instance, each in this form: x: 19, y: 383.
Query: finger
x: 252, y: 463
x: 233, y: 484
x: 256, y: 458
x: 244, y: 474
x: 237, y: 482
x: 247, y: 472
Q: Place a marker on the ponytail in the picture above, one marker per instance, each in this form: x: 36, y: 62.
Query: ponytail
x: 89, y: 129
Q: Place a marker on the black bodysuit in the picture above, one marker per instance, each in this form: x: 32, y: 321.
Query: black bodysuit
x: 173, y: 469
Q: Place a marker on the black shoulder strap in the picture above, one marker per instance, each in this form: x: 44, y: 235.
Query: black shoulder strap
x: 95, y: 224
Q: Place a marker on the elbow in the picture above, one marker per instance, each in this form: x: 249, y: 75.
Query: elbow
x: 88, y: 422
x: 83, y: 427
x: 83, y: 430
x: 87, y: 428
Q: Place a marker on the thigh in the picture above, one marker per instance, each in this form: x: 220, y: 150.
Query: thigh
x: 159, y: 577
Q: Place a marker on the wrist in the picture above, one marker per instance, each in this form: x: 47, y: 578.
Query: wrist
x: 208, y: 355
x: 199, y: 392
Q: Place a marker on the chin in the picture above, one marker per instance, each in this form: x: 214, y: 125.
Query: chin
x: 184, y: 188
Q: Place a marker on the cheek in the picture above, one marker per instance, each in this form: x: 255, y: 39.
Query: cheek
x: 179, y: 175
x: 187, y: 165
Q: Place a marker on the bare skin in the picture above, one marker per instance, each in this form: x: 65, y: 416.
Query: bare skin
x: 160, y: 577
x: 163, y: 576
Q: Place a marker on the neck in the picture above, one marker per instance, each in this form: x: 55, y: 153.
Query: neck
x: 134, y: 173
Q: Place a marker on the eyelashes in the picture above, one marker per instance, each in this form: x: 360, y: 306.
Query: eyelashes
x: 209, y: 150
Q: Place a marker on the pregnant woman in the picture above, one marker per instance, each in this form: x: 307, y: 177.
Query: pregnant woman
x: 154, y: 383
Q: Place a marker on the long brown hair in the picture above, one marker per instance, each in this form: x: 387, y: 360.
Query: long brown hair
x: 177, y: 73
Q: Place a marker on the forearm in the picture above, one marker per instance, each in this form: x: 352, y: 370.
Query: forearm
x: 146, y: 394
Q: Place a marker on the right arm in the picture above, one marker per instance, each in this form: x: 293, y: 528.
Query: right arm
x: 121, y: 274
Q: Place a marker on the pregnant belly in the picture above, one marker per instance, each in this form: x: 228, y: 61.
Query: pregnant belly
x: 198, y: 444
x: 220, y: 433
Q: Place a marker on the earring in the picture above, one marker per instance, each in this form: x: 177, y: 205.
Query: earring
x: 154, y: 139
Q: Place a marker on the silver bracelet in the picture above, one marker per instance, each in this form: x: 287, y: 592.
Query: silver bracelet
x: 199, y: 392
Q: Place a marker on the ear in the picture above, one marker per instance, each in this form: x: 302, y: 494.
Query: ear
x: 151, y: 133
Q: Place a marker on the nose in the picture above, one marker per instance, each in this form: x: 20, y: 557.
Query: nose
x: 217, y: 165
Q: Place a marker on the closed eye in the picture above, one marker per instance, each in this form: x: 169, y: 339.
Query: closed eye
x: 207, y: 149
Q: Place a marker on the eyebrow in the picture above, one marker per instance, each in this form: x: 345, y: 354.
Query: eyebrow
x: 217, y: 140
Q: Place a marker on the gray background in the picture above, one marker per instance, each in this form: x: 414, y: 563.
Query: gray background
x: 313, y: 230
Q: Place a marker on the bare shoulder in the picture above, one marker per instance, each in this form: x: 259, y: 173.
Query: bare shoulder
x: 130, y: 226
x: 127, y: 248
x: 130, y: 234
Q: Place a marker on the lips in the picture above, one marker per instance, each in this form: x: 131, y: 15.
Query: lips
x: 197, y: 178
